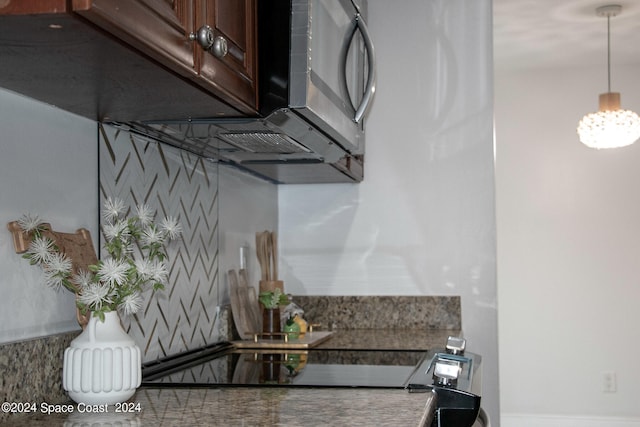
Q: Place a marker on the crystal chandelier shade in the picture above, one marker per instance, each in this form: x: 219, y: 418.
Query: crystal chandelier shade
x: 611, y: 126
x: 609, y: 129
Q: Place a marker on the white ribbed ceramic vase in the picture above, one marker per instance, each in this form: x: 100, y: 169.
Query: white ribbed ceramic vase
x: 103, y: 364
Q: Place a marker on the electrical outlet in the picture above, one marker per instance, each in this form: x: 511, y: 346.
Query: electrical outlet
x: 609, y: 382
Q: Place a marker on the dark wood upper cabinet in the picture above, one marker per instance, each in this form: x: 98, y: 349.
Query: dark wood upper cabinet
x: 234, y: 24
x: 131, y: 60
x: 157, y: 28
x: 162, y: 29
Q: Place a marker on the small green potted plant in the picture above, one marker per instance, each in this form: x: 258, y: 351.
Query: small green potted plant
x: 271, y: 301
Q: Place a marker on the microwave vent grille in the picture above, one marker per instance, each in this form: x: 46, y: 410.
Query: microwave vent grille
x: 264, y: 142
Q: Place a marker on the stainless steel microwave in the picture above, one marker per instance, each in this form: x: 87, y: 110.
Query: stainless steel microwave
x: 316, y: 84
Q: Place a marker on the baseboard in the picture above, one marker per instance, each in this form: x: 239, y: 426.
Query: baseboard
x: 535, y: 420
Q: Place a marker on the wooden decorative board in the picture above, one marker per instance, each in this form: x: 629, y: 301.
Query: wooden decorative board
x: 78, y: 247
x: 309, y: 340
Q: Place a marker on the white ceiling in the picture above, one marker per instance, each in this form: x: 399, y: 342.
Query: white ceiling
x: 563, y: 33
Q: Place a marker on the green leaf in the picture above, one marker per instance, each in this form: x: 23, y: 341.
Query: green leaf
x: 82, y: 307
x: 271, y: 299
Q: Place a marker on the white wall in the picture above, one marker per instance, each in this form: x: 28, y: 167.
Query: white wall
x: 49, y: 161
x: 247, y: 205
x: 422, y: 222
x: 568, y: 221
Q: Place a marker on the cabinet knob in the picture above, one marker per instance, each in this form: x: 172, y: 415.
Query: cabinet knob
x: 205, y: 37
x: 219, y: 48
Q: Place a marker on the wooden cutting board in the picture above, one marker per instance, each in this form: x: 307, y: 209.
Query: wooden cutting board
x: 309, y: 340
x: 248, y: 294
x: 240, y: 307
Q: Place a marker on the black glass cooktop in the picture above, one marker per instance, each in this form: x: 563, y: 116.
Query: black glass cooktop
x: 303, y: 368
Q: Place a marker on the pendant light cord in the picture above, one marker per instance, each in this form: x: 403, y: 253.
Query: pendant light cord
x: 609, y: 53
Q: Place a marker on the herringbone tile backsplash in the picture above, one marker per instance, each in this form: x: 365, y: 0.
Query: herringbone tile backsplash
x: 176, y: 183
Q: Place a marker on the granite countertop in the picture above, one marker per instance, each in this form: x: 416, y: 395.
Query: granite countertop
x: 266, y: 406
x: 388, y: 339
x: 415, y: 323
x: 252, y: 406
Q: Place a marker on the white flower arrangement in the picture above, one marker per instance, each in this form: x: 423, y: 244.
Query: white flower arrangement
x: 118, y: 281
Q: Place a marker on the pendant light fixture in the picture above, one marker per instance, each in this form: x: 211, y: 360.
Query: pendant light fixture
x: 610, y: 127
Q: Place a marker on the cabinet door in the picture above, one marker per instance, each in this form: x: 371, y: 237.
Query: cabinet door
x: 233, y: 74
x: 157, y: 28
